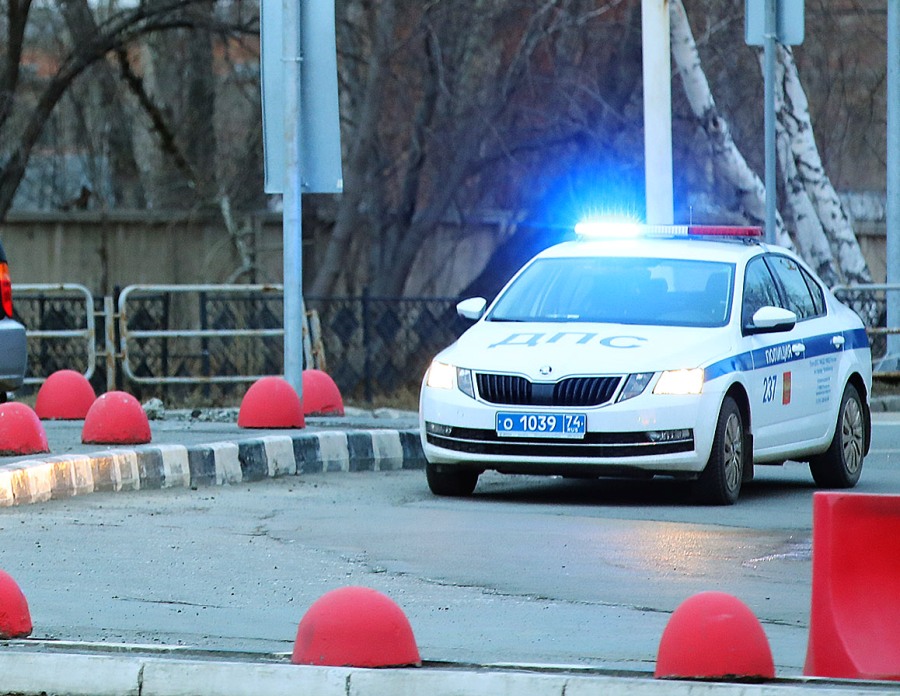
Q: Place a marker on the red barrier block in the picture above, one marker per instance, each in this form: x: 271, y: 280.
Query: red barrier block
x: 15, y: 619
x: 854, y: 626
x: 21, y: 431
x: 321, y: 396
x: 116, y: 418
x: 271, y: 402
x: 714, y: 635
x: 355, y: 627
x: 64, y: 395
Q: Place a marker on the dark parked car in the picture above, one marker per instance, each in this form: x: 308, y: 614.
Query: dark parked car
x: 13, y: 347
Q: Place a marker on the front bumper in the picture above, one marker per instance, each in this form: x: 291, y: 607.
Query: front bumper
x: 649, y: 433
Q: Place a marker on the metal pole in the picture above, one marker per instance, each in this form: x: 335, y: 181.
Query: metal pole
x: 657, y: 71
x: 893, y: 172
x: 292, y: 218
x: 771, y: 29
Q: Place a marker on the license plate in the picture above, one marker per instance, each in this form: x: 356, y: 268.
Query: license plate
x: 570, y: 425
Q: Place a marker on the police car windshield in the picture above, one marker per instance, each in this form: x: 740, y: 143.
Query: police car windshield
x: 663, y: 292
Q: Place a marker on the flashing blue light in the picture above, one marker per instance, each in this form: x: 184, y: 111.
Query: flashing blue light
x: 608, y: 228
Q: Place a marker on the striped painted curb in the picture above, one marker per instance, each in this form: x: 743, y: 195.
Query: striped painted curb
x: 218, y: 463
x: 124, y: 674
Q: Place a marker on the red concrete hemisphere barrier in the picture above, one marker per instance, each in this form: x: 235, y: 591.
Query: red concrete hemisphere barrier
x: 15, y: 619
x: 854, y: 625
x: 21, y: 431
x: 713, y: 635
x: 116, y: 418
x: 64, y: 395
x: 321, y: 396
x: 355, y: 627
x: 271, y: 402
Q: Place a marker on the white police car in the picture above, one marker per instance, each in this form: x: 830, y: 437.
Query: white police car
x: 693, y: 352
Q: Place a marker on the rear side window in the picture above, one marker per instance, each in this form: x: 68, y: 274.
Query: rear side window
x: 815, y: 290
x: 797, y: 295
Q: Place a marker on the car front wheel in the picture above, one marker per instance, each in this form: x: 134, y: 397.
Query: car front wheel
x: 451, y: 481
x: 720, y: 482
x: 841, y: 464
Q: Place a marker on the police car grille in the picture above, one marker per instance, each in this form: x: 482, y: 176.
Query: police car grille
x: 512, y: 390
x: 584, y: 391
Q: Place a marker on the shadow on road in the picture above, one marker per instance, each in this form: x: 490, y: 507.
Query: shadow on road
x: 617, y: 492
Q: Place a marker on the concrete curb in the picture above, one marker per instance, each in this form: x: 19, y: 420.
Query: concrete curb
x: 119, y: 672
x: 217, y: 463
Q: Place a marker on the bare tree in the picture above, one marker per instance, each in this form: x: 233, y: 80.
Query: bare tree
x: 458, y: 103
x: 749, y: 190
x: 124, y: 174
x: 821, y: 228
x: 26, y: 106
x: 794, y: 120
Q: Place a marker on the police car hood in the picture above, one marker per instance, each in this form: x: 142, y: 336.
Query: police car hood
x: 552, y: 351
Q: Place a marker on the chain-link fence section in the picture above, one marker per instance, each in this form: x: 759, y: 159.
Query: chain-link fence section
x: 377, y: 346
x: 199, y: 343
x: 871, y: 303
x: 202, y: 345
x: 62, y: 333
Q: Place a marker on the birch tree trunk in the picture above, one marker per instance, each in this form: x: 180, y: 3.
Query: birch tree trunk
x: 794, y: 119
x: 812, y: 244
x: 750, y: 191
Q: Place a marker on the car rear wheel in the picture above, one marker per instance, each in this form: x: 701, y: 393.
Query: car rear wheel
x: 841, y: 464
x: 451, y: 481
x: 720, y: 482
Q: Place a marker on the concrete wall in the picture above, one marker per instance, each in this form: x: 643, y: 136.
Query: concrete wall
x: 103, y: 252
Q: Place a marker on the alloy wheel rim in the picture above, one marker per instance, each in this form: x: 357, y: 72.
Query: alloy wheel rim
x: 734, y: 448
x: 852, y: 436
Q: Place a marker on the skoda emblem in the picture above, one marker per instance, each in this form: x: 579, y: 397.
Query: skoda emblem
x: 545, y: 370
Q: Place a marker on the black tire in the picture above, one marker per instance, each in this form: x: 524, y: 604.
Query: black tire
x: 720, y: 482
x: 841, y: 464
x: 451, y: 481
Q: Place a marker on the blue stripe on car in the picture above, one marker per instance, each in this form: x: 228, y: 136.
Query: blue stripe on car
x: 782, y: 354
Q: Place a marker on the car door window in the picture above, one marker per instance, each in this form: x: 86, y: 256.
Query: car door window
x: 759, y: 290
x: 796, y: 291
x: 815, y: 291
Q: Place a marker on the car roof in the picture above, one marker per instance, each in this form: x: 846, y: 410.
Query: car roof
x: 697, y: 248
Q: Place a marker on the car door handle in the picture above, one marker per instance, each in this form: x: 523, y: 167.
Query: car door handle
x: 838, y: 341
x: 798, y: 348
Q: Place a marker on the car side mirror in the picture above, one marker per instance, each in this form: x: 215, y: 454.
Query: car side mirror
x: 472, y: 308
x: 771, y: 320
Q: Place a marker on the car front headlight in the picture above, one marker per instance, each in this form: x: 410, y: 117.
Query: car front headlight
x: 440, y: 375
x: 444, y: 376
x: 680, y: 382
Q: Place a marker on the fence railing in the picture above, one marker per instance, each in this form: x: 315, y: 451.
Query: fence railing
x: 61, y: 327
x: 202, y: 342
x: 870, y: 302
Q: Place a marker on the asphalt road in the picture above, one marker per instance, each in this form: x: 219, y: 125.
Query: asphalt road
x: 532, y: 570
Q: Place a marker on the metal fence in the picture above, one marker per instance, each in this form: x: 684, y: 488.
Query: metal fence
x: 62, y: 332
x: 870, y: 302
x: 381, y: 345
x: 201, y: 344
